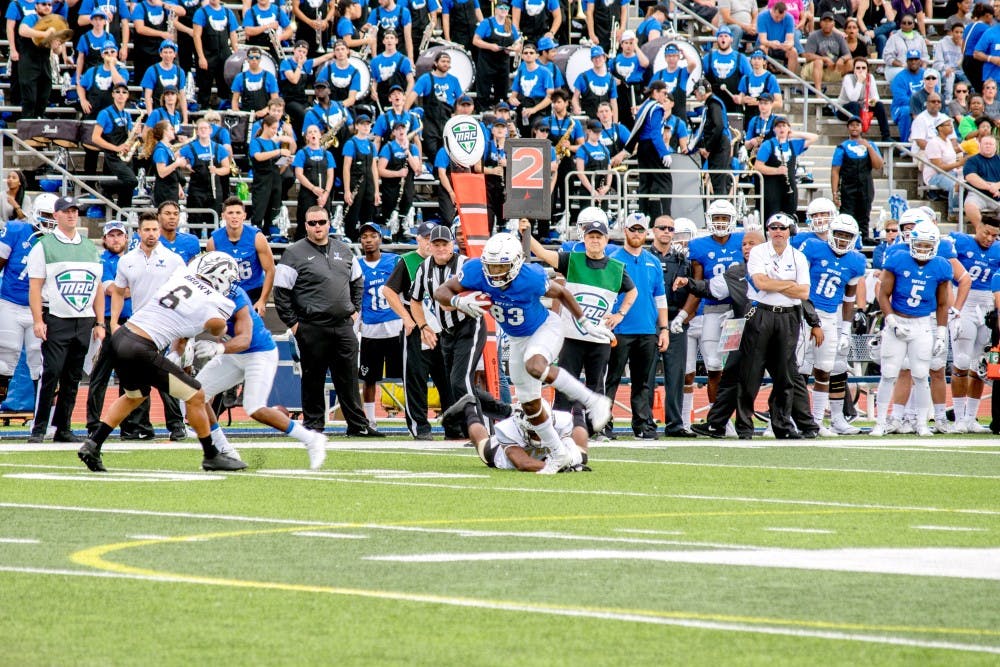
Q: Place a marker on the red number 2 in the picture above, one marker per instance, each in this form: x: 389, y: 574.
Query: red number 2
x: 526, y: 168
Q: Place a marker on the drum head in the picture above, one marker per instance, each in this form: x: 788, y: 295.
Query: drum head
x: 572, y: 60
x: 689, y: 54
x: 364, y: 73
x: 237, y: 63
x: 461, y: 64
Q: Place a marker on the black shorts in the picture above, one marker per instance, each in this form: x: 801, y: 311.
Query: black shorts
x: 140, y: 366
x: 380, y: 358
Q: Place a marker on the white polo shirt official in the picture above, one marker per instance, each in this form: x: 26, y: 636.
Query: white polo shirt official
x: 789, y: 265
x: 144, y: 275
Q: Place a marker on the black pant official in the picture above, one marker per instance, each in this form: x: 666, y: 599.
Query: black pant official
x: 63, y: 352
x: 332, y: 348
x: 769, y: 343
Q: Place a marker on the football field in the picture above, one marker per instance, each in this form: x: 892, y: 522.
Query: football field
x: 840, y: 552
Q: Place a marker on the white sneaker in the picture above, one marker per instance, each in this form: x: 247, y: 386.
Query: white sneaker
x: 943, y: 427
x: 879, y: 430
x: 924, y: 431
x: 730, y: 430
x: 555, y: 462
x: 972, y: 425
x: 824, y: 432
x: 960, y: 426
x: 905, y: 427
x: 841, y: 427
x: 768, y: 432
x: 600, y: 411
x: 316, y: 447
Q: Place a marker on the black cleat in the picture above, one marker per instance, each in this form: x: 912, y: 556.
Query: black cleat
x: 364, y: 432
x: 36, y: 438
x: 90, y: 454
x: 456, y: 408
x: 178, y: 434
x: 576, y: 467
x: 222, y: 462
x: 683, y: 433
x: 66, y: 436
x: 706, y: 430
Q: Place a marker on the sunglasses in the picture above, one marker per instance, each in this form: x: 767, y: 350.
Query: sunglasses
x: 637, y: 230
x: 959, y: 90
x: 861, y: 67
x: 542, y: 129
x: 892, y: 230
x: 662, y: 228
x: 778, y: 228
x: 316, y: 222
x: 253, y: 57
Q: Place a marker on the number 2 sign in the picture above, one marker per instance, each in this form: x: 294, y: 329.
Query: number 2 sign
x: 529, y: 178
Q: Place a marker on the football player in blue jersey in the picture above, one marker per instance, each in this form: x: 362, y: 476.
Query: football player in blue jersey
x: 249, y: 356
x: 381, y: 354
x: 16, y: 326
x: 980, y: 256
x: 711, y: 256
x: 819, y: 214
x: 248, y: 246
x: 515, y: 290
x: 836, y: 271
x: 913, y: 295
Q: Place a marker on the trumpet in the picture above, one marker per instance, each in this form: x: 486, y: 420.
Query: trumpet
x: 134, y: 140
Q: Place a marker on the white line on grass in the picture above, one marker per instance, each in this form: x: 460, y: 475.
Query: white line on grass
x: 810, y: 531
x: 556, y: 611
x: 18, y: 540
x: 639, y: 531
x: 337, y: 536
x: 957, y: 529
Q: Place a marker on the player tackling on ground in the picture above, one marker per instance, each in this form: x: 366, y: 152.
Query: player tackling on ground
x: 516, y: 289
x: 191, y: 301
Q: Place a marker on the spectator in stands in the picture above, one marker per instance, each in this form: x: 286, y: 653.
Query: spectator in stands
x: 983, y: 127
x: 901, y: 45
x: 840, y: 11
x: 987, y: 51
x: 925, y: 124
x: 851, y: 175
x: 943, y: 152
x: 904, y: 85
x: 916, y: 8
x: 827, y: 56
x: 991, y: 105
x: 776, y: 35
x: 857, y: 44
x: 16, y: 205
x: 977, y: 110
x: 652, y: 27
x: 854, y: 87
x: 877, y: 21
x: 982, y: 20
x: 741, y: 17
x: 948, y: 58
x: 929, y: 87
x: 958, y: 108
x: 982, y: 172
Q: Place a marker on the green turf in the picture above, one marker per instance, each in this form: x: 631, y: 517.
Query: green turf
x: 261, y: 592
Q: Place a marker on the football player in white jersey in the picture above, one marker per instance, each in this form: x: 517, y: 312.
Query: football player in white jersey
x: 191, y: 301
x: 514, y: 444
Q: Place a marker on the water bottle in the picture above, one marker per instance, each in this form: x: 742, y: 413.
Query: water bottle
x: 420, y: 217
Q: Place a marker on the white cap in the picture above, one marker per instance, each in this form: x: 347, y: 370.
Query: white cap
x: 628, y: 34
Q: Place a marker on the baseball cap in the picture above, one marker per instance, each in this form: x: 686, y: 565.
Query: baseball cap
x: 942, y: 119
x: 540, y: 125
x: 670, y: 49
x: 914, y: 54
x: 400, y: 123
x: 854, y: 119
x: 931, y: 74
x: 765, y: 97
x: 363, y: 118
x: 442, y: 233
x: 301, y: 44
x: 503, y: 4
x: 170, y: 89
x: 110, y: 46
x: 757, y: 54
x: 394, y: 87
x: 827, y: 15
x: 370, y: 225
x: 627, y: 35
x: 464, y: 99
x: 503, y: 106
x: 547, y: 44
x: 595, y: 226
x: 781, y: 119
x: 597, y: 51
x: 98, y: 14
x: 724, y: 30
x: 168, y: 44
x: 66, y: 203
x: 115, y: 226
x: 426, y: 228
x: 321, y: 84
x: 594, y: 125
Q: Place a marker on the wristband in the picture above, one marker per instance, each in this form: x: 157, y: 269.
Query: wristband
x: 100, y: 324
x: 664, y: 329
x: 422, y: 327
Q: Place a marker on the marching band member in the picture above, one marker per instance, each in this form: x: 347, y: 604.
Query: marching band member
x: 90, y: 47
x: 629, y: 68
x: 342, y: 75
x: 390, y: 15
x: 150, y: 18
x: 296, y: 74
x: 494, y: 165
x: 390, y: 69
x: 495, y: 38
x: 532, y: 88
x: 265, y: 151
x: 260, y: 19
x: 167, y: 110
x: 209, y: 161
x: 94, y: 89
x: 163, y: 75
x: 168, y: 183
x: 361, y: 182
x: 438, y: 91
x: 315, y: 170
x: 314, y: 18
x: 594, y: 86
x: 111, y: 134
x: 399, y: 162
x: 253, y: 88
x: 396, y: 113
x: 214, y: 34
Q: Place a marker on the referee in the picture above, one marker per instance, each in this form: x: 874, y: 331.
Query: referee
x: 317, y: 293
x: 461, y: 339
x: 778, y: 278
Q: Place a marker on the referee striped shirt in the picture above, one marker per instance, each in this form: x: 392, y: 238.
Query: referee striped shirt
x: 431, y: 275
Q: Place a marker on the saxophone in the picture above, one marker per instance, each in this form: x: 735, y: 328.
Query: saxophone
x: 330, y: 137
x: 562, y: 153
x: 134, y: 140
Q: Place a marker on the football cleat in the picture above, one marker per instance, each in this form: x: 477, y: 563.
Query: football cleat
x: 316, y: 448
x: 90, y: 454
x: 221, y: 462
x: 600, y: 411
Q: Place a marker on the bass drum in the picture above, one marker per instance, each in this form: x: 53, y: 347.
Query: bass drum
x: 461, y: 64
x: 572, y: 60
x: 689, y: 54
x: 364, y: 73
x: 237, y: 63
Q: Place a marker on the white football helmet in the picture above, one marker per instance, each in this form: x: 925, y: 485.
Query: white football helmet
x: 819, y: 214
x: 844, y: 232
x: 502, y: 259
x: 924, y: 239
x: 217, y: 269
x: 910, y: 218
x: 721, y: 218
x: 44, y: 211
x: 684, y: 232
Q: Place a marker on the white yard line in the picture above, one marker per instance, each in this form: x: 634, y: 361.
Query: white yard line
x: 336, y: 536
x: 956, y: 529
x: 808, y: 531
x: 694, y: 623
x: 638, y: 531
x: 18, y: 540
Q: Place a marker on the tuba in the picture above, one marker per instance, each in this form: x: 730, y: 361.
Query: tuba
x: 61, y: 33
